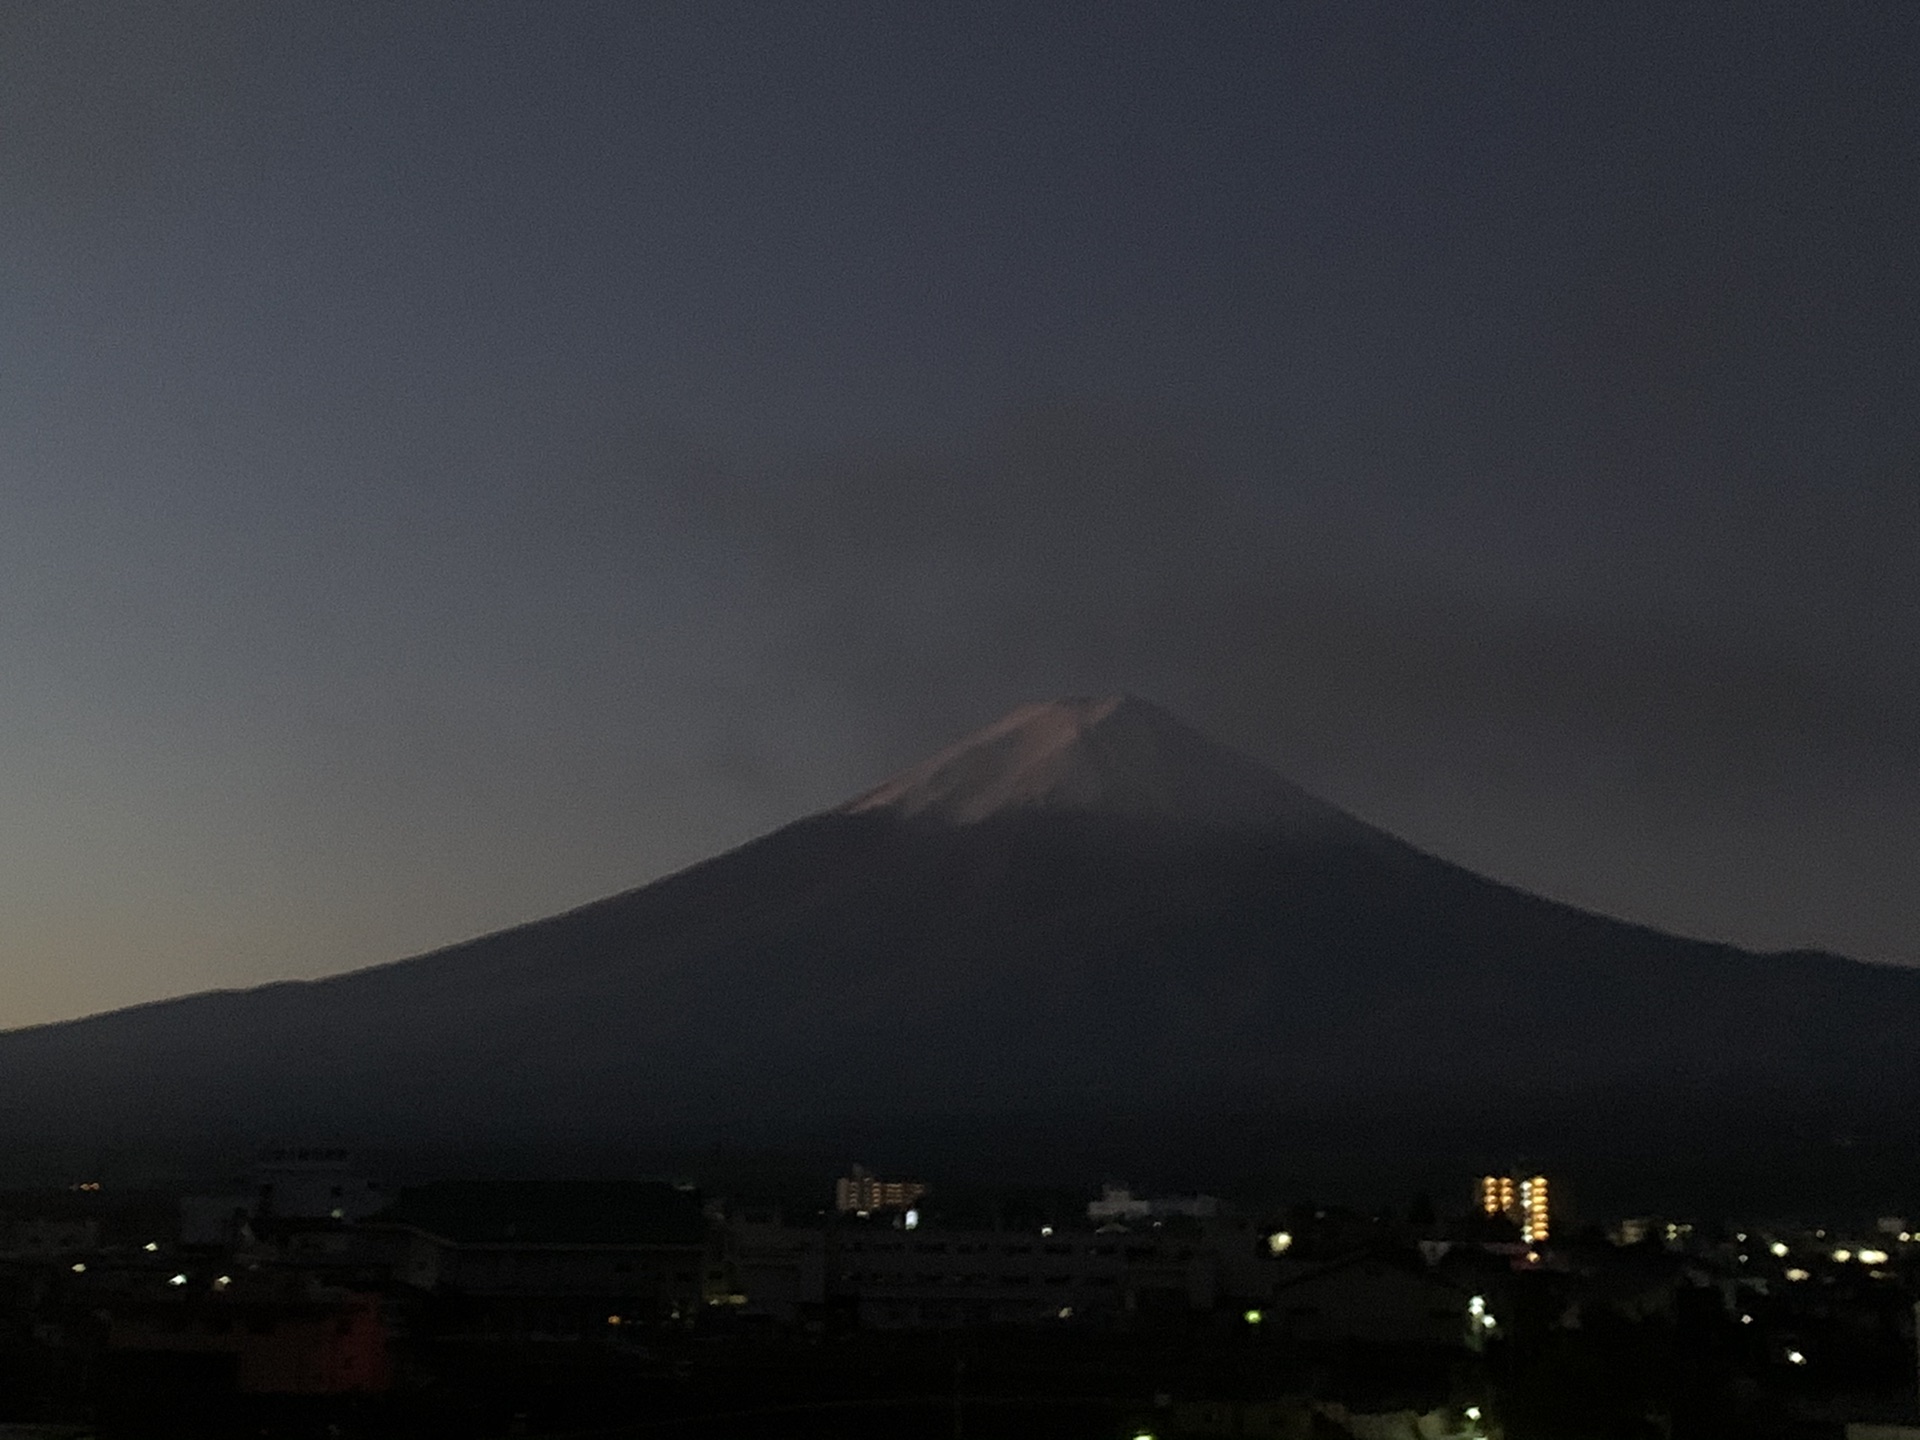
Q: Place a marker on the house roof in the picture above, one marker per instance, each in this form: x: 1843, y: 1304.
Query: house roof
x: 1386, y: 1262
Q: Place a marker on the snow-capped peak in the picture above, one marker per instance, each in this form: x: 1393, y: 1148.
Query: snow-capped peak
x: 1114, y: 754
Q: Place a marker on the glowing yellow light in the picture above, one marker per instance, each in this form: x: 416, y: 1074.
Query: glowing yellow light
x: 1778, y: 1250
x: 1534, y: 1209
x: 1872, y: 1257
x: 1279, y: 1243
x: 1253, y: 1317
x: 151, y: 1246
x: 178, y: 1280
x: 1794, y: 1357
x: 1797, y: 1274
x: 1473, y: 1412
x: 1840, y: 1257
x: 80, y: 1267
x: 1477, y: 1305
x: 613, y: 1319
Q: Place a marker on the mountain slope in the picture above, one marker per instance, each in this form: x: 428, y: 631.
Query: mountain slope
x: 1086, y: 910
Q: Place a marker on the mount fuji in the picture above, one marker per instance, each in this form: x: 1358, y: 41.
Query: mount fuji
x: 1084, y: 931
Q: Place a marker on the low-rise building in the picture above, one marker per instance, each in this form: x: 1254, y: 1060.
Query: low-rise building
x: 278, y: 1335
x: 935, y: 1278
x: 312, y: 1182
x: 1380, y: 1299
x: 1118, y: 1204
x: 778, y: 1272
x: 558, y: 1257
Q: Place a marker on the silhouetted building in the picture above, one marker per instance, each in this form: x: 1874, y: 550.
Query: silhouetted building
x: 1381, y: 1300
x: 279, y: 1336
x: 936, y: 1278
x: 558, y: 1257
x: 312, y: 1182
x: 777, y: 1271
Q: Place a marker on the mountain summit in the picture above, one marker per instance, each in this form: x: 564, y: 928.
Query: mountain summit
x: 1113, y: 754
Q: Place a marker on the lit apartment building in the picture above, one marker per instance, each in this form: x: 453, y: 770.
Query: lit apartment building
x: 1523, y: 1201
x: 862, y: 1193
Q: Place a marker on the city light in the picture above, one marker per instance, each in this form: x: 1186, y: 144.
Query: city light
x: 79, y: 1267
x: 1872, y: 1257
x: 1778, y: 1249
x: 178, y: 1280
x: 1794, y: 1357
x: 1523, y: 1201
x: 1496, y: 1193
x: 151, y: 1246
x: 1533, y: 1202
x: 912, y: 1220
x: 1279, y: 1243
x: 1253, y: 1317
x: 1746, y: 1319
x: 1798, y: 1274
x: 1473, y: 1412
x: 1841, y: 1257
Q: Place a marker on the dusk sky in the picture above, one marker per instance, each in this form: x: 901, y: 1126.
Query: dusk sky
x: 457, y: 461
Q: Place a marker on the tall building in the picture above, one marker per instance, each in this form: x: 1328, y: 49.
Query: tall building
x: 1522, y: 1200
x: 862, y: 1193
